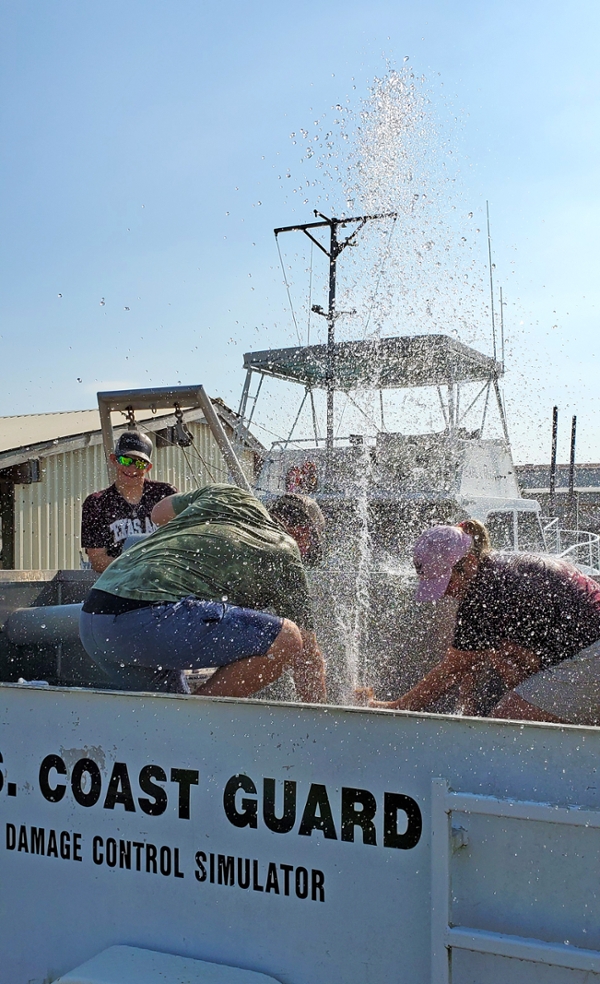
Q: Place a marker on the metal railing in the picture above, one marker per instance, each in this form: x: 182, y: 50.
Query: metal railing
x: 576, y: 546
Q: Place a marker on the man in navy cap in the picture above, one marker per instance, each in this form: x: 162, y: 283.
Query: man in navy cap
x: 125, y: 507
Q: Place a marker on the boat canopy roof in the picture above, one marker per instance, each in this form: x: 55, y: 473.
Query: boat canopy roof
x: 383, y: 363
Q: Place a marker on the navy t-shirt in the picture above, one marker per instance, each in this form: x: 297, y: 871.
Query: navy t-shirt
x: 107, y: 519
x: 540, y: 603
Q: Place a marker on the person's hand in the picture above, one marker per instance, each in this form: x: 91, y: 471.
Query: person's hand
x: 363, y: 696
x: 389, y: 705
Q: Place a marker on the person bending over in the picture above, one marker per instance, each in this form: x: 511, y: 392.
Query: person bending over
x: 528, y: 619
x: 196, y: 593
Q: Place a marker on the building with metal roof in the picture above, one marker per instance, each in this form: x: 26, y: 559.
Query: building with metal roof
x: 581, y: 509
x: 50, y: 462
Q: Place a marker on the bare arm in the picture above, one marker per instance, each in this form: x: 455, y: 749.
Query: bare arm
x: 512, y: 662
x: 456, y: 664
x: 99, y: 559
x: 163, y: 511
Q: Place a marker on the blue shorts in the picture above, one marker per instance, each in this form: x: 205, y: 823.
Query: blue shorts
x: 147, y: 649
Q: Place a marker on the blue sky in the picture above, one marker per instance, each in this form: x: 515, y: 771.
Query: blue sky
x: 144, y: 159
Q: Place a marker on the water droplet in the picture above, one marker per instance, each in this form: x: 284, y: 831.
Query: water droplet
x: 102, y: 302
x: 60, y: 295
x: 470, y: 216
x: 406, y: 57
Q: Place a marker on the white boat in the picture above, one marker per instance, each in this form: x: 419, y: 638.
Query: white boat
x: 410, y: 479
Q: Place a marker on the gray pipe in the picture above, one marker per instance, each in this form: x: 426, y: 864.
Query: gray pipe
x: 45, y: 626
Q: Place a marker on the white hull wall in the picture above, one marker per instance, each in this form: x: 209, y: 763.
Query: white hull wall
x: 48, y: 513
x: 521, y: 885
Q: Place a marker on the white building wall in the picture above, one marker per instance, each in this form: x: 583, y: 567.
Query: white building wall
x: 48, y: 513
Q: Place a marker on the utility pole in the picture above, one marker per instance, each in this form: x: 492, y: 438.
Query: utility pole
x: 336, y: 246
x: 552, y: 497
x: 572, y: 501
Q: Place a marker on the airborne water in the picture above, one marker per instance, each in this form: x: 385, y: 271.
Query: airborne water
x: 422, y: 272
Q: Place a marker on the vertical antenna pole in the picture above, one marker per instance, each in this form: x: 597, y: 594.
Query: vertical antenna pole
x: 333, y: 253
x: 572, y: 516
x: 501, y: 328
x: 489, y: 238
x: 552, y: 506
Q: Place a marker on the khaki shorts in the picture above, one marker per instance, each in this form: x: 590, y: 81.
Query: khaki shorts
x: 570, y: 690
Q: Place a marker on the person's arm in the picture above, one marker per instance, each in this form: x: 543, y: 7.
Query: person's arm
x: 163, y: 511
x: 172, y: 505
x: 99, y: 559
x: 512, y: 662
x: 95, y: 534
x: 454, y: 667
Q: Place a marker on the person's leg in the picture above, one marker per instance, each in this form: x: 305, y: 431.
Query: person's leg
x: 515, y: 708
x: 111, y: 651
x: 250, y: 649
x: 567, y: 693
x: 246, y: 676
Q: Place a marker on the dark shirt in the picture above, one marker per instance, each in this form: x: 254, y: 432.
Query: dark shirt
x: 107, y: 519
x: 539, y: 603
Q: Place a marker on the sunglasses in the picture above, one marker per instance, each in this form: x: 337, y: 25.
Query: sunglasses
x: 126, y: 461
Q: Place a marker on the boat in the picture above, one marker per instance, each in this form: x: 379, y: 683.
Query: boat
x: 411, y: 480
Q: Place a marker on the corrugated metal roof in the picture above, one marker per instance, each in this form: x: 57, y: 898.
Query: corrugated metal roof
x: 37, y: 430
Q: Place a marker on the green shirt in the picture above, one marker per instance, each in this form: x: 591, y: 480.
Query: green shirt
x: 221, y: 545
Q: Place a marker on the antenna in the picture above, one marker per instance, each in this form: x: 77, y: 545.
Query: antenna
x: 487, y: 208
x: 336, y: 246
x: 501, y: 327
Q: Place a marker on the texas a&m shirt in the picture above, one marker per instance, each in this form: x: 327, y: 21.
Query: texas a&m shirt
x: 107, y: 519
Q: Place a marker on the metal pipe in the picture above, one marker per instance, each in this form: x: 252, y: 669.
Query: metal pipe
x: 573, y: 518
x: 501, y: 409
x: 222, y: 440
x: 489, y: 238
x: 501, y: 329
x: 48, y: 625
x: 572, y: 458
x: 552, y: 503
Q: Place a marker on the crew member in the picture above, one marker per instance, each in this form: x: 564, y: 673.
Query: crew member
x: 528, y: 619
x: 125, y: 507
x: 219, y: 584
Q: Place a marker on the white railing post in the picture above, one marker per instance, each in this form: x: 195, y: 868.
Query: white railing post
x: 440, y: 882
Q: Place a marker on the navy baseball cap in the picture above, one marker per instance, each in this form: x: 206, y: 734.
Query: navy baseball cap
x: 135, y: 445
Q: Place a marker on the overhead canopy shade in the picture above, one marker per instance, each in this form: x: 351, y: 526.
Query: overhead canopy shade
x: 386, y: 363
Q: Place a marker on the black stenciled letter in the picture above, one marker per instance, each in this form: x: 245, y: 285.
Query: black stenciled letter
x: 186, y: 778
x: 284, y: 823
x: 93, y: 794
x: 249, y: 815
x: 56, y: 793
x: 200, y: 861
x: 119, y: 789
x: 363, y: 818
x: 158, y: 804
x: 317, y: 799
x: 411, y: 836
